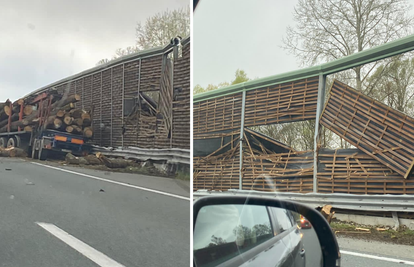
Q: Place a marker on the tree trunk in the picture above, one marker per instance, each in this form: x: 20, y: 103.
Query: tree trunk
x: 112, y: 163
x: 87, y: 132
x: 14, y: 126
x: 28, y: 109
x: 60, y: 113
x: 12, y: 152
x: 71, y: 159
x: 3, y: 104
x: 86, y: 123
x: 68, y: 120
x: 4, y: 113
x: 28, y: 128
x: 56, y: 106
x: 86, y: 116
x: 73, y: 129
x: 76, y: 113
x: 14, y: 117
x: 78, y: 122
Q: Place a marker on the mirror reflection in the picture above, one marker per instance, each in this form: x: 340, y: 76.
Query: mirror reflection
x: 252, y: 235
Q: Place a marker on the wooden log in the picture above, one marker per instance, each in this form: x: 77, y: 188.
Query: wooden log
x: 3, y: 104
x: 93, y: 160
x: 68, y: 107
x: 86, y: 115
x: 17, y: 104
x: 27, y: 110
x: 78, y: 122
x: 87, y: 132
x: 68, y: 120
x: 56, y: 106
x: 28, y: 128
x: 4, y: 113
x: 73, y: 129
x: 77, y: 129
x: 86, y: 122
x: 12, y: 152
x: 113, y: 163
x: 14, y: 126
x: 60, y: 113
x: 71, y: 159
x: 57, y: 123
x: 76, y: 113
x: 64, y: 101
x: 14, y: 117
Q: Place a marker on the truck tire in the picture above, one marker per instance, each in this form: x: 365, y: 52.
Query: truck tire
x: 3, y: 142
x: 11, y: 142
x: 42, y: 151
x: 34, y: 152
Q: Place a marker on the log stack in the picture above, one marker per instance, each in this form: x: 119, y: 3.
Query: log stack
x: 61, y: 115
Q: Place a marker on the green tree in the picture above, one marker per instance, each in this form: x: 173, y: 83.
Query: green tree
x: 240, y: 76
x: 395, y: 84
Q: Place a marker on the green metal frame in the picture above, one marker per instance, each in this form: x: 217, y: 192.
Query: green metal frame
x: 367, y: 56
x: 370, y: 55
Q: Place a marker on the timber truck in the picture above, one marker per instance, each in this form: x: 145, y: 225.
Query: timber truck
x: 38, y: 141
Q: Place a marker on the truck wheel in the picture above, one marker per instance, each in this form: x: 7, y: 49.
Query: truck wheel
x: 11, y: 142
x: 3, y: 142
x: 34, y: 152
x: 42, y: 152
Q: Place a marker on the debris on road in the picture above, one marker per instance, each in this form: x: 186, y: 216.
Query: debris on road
x: 362, y: 229
x: 113, y: 163
x: 27, y: 182
x: 326, y: 212
x: 12, y: 152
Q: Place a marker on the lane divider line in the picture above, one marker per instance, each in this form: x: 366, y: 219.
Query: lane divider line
x: 114, y: 182
x: 376, y: 257
x: 83, y: 248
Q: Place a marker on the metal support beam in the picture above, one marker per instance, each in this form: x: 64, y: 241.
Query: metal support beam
x: 357, y: 59
x: 111, y: 100
x: 83, y: 94
x: 172, y: 101
x: 138, y: 99
x: 319, y: 108
x: 241, y: 140
x: 100, y: 114
x: 123, y: 95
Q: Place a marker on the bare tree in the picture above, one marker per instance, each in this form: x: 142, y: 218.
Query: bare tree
x: 330, y: 29
x: 157, y: 31
x: 160, y: 28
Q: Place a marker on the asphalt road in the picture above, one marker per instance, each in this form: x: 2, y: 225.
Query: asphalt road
x: 313, y: 253
x: 360, y: 253
x: 98, y: 222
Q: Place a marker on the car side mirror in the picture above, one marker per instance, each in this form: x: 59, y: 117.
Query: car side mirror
x: 257, y: 231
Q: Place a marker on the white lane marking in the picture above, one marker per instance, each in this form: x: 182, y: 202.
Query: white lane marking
x: 114, y: 182
x: 377, y: 257
x: 83, y: 248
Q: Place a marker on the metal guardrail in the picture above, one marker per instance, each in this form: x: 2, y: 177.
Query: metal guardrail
x: 388, y: 203
x: 170, y: 155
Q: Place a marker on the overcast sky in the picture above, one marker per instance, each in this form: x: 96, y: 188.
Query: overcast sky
x: 236, y: 34
x: 44, y: 41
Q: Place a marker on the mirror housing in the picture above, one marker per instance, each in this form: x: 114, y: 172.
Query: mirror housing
x: 329, y: 245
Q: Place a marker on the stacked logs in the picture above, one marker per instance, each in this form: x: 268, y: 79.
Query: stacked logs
x: 61, y: 115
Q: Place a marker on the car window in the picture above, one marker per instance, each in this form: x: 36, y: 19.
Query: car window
x: 225, y: 231
x: 283, y: 220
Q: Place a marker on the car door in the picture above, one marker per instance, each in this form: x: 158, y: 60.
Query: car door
x: 233, y: 235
